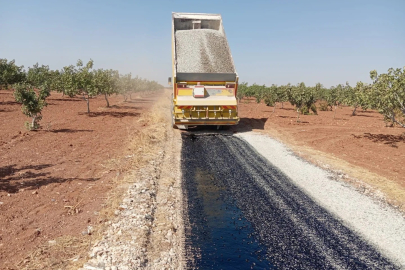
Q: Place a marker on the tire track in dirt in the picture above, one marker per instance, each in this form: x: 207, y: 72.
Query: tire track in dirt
x: 224, y: 179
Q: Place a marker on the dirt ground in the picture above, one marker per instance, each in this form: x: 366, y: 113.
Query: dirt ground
x: 360, y: 144
x: 54, y: 181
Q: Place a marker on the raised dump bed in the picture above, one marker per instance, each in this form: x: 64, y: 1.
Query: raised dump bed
x: 204, y: 76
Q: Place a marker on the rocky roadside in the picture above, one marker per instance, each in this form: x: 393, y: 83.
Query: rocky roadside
x: 147, y: 232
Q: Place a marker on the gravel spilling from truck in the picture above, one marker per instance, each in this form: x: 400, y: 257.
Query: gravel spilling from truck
x: 203, y: 51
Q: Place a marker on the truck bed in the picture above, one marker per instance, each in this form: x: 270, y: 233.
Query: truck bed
x: 201, y: 50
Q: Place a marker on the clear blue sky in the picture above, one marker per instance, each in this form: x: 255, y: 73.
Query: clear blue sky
x: 271, y: 41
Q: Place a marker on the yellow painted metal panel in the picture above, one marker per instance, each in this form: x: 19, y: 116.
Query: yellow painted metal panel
x: 197, y: 122
x: 185, y: 91
x: 208, y: 101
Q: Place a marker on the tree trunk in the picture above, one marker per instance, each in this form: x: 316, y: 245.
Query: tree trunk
x: 393, y: 119
x: 274, y: 109
x: 354, y: 111
x: 298, y: 114
x: 33, y: 122
x: 88, y: 103
x: 334, y: 114
x: 399, y: 123
x: 282, y: 105
x: 106, y: 99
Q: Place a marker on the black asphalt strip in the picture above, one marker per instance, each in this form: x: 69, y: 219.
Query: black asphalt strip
x: 242, y: 212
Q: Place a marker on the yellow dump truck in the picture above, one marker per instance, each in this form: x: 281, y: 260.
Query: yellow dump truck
x: 204, y: 78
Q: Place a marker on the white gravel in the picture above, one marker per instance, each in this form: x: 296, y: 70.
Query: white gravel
x: 203, y: 51
x: 381, y: 225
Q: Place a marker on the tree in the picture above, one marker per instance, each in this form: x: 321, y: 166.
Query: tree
x: 357, y: 96
x: 66, y: 82
x: 257, y: 91
x: 282, y: 95
x: 302, y: 97
x: 271, y: 96
x: 388, y: 95
x: 241, y: 91
x: 32, y: 102
x: 125, y: 85
x: 39, y: 76
x: 333, y: 97
x: 84, y: 81
x: 10, y: 73
x: 106, y: 82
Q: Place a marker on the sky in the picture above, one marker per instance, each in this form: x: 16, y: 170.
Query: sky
x: 272, y: 42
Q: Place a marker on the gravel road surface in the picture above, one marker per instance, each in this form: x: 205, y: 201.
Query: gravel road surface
x: 303, y: 217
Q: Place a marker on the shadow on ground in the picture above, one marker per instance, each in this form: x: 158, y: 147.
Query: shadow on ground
x: 245, y: 125
x: 383, y: 138
x: 66, y: 130
x: 13, y: 178
x: 111, y: 114
x: 9, y: 103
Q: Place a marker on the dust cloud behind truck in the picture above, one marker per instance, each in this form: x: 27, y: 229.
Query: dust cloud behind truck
x: 204, y: 78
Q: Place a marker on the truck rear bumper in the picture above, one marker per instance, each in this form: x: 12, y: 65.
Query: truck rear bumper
x: 206, y: 122
x: 205, y: 115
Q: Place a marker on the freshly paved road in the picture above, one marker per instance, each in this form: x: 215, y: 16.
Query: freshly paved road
x: 243, y: 212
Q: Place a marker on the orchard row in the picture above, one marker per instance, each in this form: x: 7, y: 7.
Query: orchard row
x: 386, y: 93
x: 32, y: 87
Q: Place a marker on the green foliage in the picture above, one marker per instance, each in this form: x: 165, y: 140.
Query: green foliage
x: 358, y: 96
x: 128, y: 85
x: 302, y: 97
x: 10, y: 73
x: 323, y: 106
x: 32, y: 88
x: 242, y: 89
x: 305, y: 110
x: 32, y: 102
x: 125, y: 85
x: 64, y: 81
x: 39, y: 76
x: 84, y: 82
x: 257, y: 91
x: 106, y: 82
x: 271, y: 95
x: 388, y: 95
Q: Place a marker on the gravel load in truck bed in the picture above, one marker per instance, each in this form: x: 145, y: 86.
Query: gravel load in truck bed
x: 203, y: 51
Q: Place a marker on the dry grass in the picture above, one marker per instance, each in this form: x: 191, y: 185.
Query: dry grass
x: 69, y: 252
x: 62, y: 253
